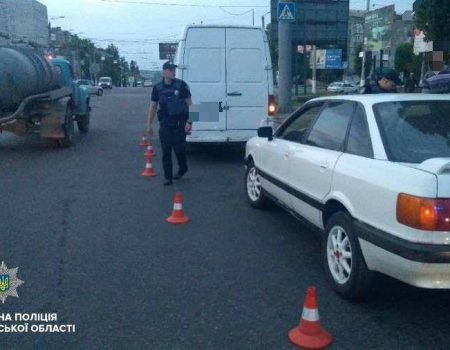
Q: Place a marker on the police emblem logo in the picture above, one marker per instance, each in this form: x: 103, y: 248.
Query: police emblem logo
x: 176, y: 92
x: 8, y: 282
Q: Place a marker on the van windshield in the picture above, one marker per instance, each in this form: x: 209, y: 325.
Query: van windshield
x: 414, y: 131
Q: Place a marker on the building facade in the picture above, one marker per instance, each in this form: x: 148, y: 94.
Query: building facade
x: 355, y: 37
x: 24, y: 22
x: 322, y: 23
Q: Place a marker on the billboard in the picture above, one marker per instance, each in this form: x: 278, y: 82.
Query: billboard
x: 327, y: 59
x: 167, y: 51
x: 420, y: 45
x: 379, y: 28
x: 333, y: 59
x: 320, y: 59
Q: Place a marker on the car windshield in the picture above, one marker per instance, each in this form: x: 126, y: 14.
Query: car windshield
x: 414, y: 131
x: 105, y: 80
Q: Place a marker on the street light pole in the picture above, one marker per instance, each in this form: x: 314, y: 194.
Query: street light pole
x: 363, y: 66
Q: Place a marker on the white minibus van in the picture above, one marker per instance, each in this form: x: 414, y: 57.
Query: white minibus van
x: 229, y: 72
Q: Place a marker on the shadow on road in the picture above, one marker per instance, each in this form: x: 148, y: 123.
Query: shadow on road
x: 225, y: 153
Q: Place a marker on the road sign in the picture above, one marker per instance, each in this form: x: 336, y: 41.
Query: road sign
x: 286, y: 11
x: 167, y: 51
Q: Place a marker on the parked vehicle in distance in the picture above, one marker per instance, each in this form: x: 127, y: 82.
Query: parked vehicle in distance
x: 235, y: 92
x: 342, y: 87
x: 372, y: 174
x: 148, y: 83
x: 140, y: 83
x: 105, y: 83
x: 89, y: 87
x: 438, y: 83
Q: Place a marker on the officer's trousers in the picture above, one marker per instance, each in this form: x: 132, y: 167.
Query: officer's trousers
x: 173, y: 137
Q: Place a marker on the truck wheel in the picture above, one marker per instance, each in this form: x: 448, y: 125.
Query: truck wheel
x: 68, y: 127
x: 83, y: 122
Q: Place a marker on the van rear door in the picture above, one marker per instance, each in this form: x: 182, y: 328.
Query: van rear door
x: 204, y: 70
x: 247, y: 78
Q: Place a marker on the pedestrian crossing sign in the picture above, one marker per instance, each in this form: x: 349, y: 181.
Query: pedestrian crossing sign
x: 286, y: 11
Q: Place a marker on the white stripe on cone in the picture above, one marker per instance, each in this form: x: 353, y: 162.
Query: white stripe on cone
x: 148, y: 166
x: 311, y: 315
x: 177, y: 206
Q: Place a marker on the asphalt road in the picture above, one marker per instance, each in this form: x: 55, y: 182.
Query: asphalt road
x: 89, y: 236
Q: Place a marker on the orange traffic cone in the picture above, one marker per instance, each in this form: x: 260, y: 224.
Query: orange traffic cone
x: 149, y: 172
x: 178, y: 216
x: 144, y: 141
x: 149, y: 151
x: 309, y: 334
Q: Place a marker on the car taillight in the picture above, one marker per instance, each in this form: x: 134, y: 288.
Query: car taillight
x: 271, y: 105
x: 429, y: 214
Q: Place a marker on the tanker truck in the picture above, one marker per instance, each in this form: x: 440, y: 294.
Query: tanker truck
x: 38, y: 95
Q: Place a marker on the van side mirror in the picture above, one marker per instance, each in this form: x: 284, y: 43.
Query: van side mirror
x: 266, y: 131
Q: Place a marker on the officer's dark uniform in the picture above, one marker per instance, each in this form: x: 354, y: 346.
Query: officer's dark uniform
x: 373, y: 87
x: 173, y: 114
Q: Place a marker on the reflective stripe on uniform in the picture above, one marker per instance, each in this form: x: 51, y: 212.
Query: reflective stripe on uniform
x: 311, y: 315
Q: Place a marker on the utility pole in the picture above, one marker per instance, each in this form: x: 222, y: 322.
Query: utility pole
x: 363, y: 66
x: 314, y: 73
x: 285, y: 65
x: 305, y: 60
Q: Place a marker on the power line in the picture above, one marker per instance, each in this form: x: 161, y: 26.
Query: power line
x: 182, y: 5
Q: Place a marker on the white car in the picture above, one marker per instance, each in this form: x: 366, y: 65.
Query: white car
x: 148, y: 83
x: 342, y: 87
x: 372, y: 173
x: 89, y: 87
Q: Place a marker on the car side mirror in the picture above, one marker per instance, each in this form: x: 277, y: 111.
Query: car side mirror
x: 266, y: 131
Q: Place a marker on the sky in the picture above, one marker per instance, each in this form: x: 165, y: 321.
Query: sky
x: 136, y: 28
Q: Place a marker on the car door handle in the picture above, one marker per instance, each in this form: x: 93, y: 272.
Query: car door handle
x: 235, y: 93
x: 324, y: 165
x: 286, y: 155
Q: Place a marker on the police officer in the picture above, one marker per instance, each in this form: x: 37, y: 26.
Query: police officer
x: 174, y: 98
x: 386, y: 84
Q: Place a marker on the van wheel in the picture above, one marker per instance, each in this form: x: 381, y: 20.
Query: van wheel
x: 253, y: 188
x: 344, y: 263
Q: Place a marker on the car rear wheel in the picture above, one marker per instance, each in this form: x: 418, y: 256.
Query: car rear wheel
x: 100, y: 92
x: 254, y: 190
x: 343, y: 260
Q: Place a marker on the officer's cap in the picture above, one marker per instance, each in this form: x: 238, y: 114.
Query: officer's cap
x: 169, y: 65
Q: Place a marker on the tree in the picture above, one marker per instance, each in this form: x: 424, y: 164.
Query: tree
x: 111, y: 66
x: 405, y: 60
x: 433, y: 17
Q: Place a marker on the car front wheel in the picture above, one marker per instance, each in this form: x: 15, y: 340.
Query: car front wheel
x: 254, y: 190
x: 343, y: 260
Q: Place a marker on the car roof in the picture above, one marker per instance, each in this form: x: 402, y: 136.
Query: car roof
x: 371, y: 99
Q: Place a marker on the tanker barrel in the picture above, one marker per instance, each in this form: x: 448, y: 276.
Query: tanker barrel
x: 23, y: 73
